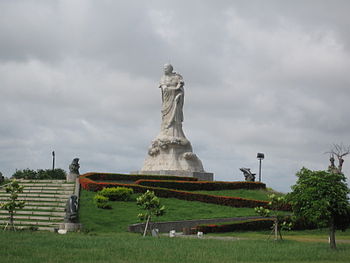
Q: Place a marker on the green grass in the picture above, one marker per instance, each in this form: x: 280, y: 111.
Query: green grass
x: 251, y: 194
x: 33, y: 247
x: 316, y: 235
x: 123, y: 214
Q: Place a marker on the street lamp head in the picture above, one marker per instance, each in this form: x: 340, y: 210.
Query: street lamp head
x: 260, y: 156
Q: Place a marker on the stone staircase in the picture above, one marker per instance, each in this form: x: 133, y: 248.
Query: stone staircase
x: 45, y: 202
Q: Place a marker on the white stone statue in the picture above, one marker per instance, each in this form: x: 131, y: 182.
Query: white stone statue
x: 170, y: 152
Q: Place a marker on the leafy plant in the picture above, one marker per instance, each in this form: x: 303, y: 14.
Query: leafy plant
x: 152, y: 206
x: 117, y: 193
x: 101, y: 202
x: 12, y: 204
x: 275, y: 204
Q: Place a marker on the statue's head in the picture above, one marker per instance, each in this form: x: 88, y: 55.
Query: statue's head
x: 168, y: 68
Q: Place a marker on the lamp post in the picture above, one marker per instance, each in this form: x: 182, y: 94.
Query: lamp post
x: 260, y: 156
x: 53, y: 160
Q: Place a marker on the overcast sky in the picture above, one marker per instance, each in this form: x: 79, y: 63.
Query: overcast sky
x: 80, y: 77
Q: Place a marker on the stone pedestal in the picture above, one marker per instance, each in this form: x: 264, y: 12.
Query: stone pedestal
x: 71, y: 227
x: 72, y: 177
x: 202, y: 176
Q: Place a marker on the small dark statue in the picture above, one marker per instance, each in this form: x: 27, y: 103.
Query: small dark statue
x: 74, y: 166
x: 2, y: 178
x: 72, y: 210
x: 248, y: 175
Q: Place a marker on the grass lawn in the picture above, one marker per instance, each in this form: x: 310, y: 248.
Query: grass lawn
x: 252, y: 194
x: 33, y: 247
x: 123, y: 214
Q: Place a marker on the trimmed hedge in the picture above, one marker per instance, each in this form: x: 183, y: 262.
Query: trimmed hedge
x: 247, y: 225
x: 134, y: 177
x: 91, y: 185
x: 201, y: 185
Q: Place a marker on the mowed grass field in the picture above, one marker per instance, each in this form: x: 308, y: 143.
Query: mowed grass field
x: 34, y: 247
x: 105, y: 238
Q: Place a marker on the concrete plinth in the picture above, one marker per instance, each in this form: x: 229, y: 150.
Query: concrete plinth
x: 202, y: 176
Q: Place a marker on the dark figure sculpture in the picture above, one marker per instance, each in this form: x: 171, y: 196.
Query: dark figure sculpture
x: 74, y: 166
x: 2, y: 178
x: 72, y: 210
x: 248, y: 175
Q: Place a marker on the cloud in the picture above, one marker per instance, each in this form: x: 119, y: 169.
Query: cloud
x: 80, y: 78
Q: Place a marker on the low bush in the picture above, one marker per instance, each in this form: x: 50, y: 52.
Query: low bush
x: 134, y: 177
x: 201, y: 185
x: 40, y: 174
x: 117, y: 193
x: 247, y: 225
x: 101, y: 202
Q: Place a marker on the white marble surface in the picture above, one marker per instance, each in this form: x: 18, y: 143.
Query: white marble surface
x: 171, y: 150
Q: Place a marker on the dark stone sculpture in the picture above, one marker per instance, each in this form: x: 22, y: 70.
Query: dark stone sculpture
x: 74, y: 166
x: 2, y: 178
x: 248, y: 175
x: 72, y: 210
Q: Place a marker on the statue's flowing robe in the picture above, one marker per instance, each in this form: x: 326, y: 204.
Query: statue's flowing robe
x: 172, y: 106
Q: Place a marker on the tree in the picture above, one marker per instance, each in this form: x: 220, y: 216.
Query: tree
x: 321, y: 197
x: 152, y: 206
x: 13, y: 189
x: 275, y: 204
x: 339, y: 151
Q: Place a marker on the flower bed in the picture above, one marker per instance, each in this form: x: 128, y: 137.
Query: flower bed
x: 134, y: 177
x: 250, y: 225
x: 91, y: 185
x: 201, y: 185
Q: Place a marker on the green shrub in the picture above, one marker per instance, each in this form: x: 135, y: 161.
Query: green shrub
x: 101, y: 201
x: 117, y: 193
x: 40, y: 174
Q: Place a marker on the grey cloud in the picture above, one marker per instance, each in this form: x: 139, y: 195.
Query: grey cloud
x: 80, y: 77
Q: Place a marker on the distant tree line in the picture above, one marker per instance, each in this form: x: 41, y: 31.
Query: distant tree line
x: 40, y: 174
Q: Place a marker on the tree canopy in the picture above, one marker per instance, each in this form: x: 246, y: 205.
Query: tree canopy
x: 321, y: 197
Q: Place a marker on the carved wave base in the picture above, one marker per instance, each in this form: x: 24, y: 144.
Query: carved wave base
x: 174, y: 156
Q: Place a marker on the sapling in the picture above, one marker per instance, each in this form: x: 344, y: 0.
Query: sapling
x: 12, y: 204
x: 276, y: 202
x: 152, y: 206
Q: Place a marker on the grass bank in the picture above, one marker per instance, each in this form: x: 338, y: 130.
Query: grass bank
x: 251, y: 194
x: 123, y: 214
x: 125, y: 247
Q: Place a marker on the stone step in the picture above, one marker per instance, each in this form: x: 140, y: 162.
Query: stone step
x: 40, y: 228
x: 32, y: 223
x: 41, y: 181
x: 45, y: 208
x: 42, y: 191
x: 38, y: 195
x: 43, y: 213
x: 44, y: 199
x: 41, y: 218
x: 46, y: 204
x: 47, y: 185
x: 50, y: 187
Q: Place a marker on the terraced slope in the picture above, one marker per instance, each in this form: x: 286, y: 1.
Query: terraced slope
x: 45, y: 202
